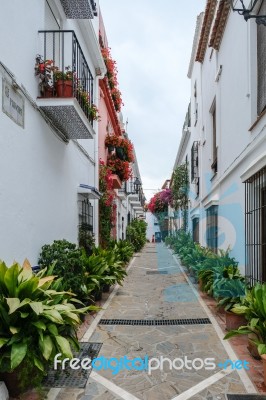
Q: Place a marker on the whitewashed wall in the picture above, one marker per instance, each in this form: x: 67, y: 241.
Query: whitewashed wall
x: 236, y: 97
x: 39, y: 173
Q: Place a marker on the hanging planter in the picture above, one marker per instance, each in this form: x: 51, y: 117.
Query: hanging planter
x: 120, y: 153
x: 110, y: 148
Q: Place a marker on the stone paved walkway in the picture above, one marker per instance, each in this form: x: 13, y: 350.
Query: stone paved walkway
x: 157, y: 296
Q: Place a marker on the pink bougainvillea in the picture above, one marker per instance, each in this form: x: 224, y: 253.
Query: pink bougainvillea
x: 160, y: 201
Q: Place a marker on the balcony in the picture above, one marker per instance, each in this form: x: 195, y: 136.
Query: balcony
x: 122, y: 192
x: 117, y: 184
x: 79, y: 9
x: 66, y: 85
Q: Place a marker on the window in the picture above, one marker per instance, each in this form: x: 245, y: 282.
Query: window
x: 261, y: 51
x: 195, y: 229
x: 214, y: 165
x: 195, y: 166
x: 85, y: 215
x: 255, y: 222
x: 195, y: 103
x: 212, y: 228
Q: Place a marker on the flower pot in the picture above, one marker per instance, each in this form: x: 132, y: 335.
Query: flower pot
x: 110, y: 148
x: 200, y: 284
x: 15, y: 382
x: 64, y: 88
x: 234, y: 321
x: 120, y: 153
x: 263, y: 357
x: 106, y: 288
x: 48, y: 92
x: 98, y: 295
x: 252, y: 348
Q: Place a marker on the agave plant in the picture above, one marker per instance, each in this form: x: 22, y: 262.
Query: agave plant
x: 36, y: 321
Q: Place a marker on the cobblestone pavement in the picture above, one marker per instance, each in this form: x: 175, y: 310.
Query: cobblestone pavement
x: 157, y: 296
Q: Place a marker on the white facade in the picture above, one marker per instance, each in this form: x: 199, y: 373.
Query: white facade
x: 41, y: 170
x: 224, y: 82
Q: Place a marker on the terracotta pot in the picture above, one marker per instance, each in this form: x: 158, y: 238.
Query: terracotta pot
x: 106, y: 288
x: 13, y: 381
x: 252, y: 348
x: 64, y: 88
x: 98, y: 295
x: 200, y: 284
x: 234, y: 321
x: 48, y: 92
x: 263, y: 357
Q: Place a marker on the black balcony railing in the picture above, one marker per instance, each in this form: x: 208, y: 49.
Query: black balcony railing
x: 66, y: 69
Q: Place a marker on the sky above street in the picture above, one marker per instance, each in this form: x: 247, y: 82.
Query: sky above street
x: 151, y: 41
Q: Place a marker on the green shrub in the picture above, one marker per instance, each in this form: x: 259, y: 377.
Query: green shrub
x: 136, y: 234
x: 68, y: 264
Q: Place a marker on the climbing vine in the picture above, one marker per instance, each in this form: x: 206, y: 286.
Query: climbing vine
x: 107, y: 207
x: 180, y: 190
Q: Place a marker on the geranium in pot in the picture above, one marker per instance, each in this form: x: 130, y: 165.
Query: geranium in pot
x: 64, y: 82
x: 44, y: 70
x: 120, y: 168
x: 36, y: 323
x: 112, y: 141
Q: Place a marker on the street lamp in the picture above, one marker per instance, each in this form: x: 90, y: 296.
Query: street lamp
x: 248, y: 9
x: 137, y: 185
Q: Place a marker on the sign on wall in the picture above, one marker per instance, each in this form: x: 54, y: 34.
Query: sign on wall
x: 12, y: 103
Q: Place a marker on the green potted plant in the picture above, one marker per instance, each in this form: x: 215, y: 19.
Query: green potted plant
x: 231, y: 292
x: 253, y: 307
x: 36, y: 322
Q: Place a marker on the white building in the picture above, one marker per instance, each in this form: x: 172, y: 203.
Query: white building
x: 131, y: 200
x: 224, y: 144
x: 49, y: 158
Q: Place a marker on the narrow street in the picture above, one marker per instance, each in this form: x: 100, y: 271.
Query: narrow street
x: 157, y: 289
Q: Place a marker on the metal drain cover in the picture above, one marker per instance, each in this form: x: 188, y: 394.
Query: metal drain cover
x: 157, y: 322
x: 246, y: 397
x: 163, y: 272
x: 69, y: 377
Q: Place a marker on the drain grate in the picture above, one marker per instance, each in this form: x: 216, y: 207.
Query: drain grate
x: 152, y: 322
x: 246, y: 397
x: 163, y: 272
x: 70, y: 377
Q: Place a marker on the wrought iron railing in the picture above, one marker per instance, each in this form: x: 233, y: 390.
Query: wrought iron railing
x: 68, y: 73
x: 194, y: 162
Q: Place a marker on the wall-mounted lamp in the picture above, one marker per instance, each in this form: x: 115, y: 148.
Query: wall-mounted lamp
x: 248, y: 9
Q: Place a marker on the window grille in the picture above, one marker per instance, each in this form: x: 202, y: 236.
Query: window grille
x: 86, y: 215
x: 261, y: 57
x: 195, y: 229
x: 212, y: 228
x: 255, y: 227
x: 214, y: 142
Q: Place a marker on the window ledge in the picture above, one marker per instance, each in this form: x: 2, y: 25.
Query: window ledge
x: 259, y: 117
